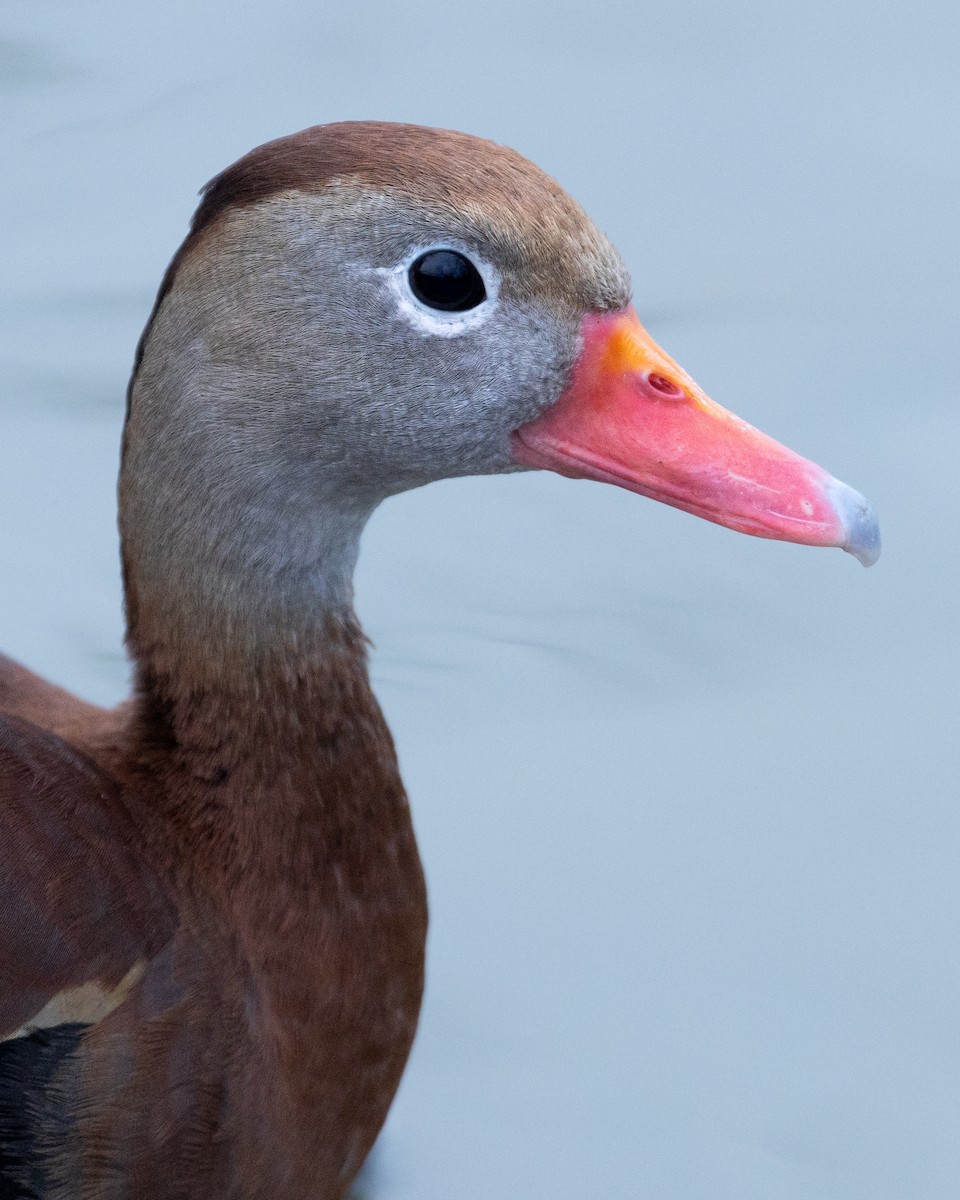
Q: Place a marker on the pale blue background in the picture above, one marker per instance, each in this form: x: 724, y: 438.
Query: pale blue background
x: 687, y: 800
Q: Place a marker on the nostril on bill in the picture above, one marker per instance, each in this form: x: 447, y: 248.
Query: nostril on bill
x: 664, y: 386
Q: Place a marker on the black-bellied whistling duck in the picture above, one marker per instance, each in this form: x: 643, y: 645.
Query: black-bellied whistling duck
x: 213, y: 914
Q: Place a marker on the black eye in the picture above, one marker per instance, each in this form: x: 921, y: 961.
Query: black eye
x: 446, y: 280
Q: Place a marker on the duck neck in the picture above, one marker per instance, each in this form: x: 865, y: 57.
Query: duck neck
x: 282, y: 812
x: 239, y: 538
x: 253, y: 706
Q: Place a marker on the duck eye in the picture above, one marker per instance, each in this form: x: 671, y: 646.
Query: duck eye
x: 446, y: 280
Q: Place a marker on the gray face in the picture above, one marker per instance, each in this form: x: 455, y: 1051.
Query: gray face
x: 306, y: 300
x: 291, y: 380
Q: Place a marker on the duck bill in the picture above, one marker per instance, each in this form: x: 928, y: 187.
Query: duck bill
x: 632, y: 417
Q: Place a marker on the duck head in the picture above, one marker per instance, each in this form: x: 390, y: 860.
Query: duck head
x: 362, y: 308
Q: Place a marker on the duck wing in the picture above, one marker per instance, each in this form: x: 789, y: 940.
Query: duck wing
x: 80, y: 912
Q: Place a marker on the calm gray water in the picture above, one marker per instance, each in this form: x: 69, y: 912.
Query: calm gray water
x: 687, y: 800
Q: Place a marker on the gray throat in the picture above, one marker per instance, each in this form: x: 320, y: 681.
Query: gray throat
x: 231, y: 547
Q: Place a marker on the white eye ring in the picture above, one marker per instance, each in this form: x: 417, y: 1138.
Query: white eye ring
x: 435, y: 322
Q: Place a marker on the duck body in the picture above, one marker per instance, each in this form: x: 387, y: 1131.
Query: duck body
x: 248, y: 1028
x: 213, y: 913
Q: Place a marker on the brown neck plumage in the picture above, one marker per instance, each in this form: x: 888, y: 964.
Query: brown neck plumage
x: 276, y: 787
x: 262, y: 749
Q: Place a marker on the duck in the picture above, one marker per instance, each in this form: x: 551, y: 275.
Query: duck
x: 214, y: 915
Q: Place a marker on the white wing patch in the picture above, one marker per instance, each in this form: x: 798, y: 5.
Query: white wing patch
x: 85, y: 1004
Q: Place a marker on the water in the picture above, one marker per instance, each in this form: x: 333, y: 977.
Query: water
x: 687, y: 800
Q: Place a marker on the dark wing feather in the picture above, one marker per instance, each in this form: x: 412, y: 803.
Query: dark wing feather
x: 78, y: 903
